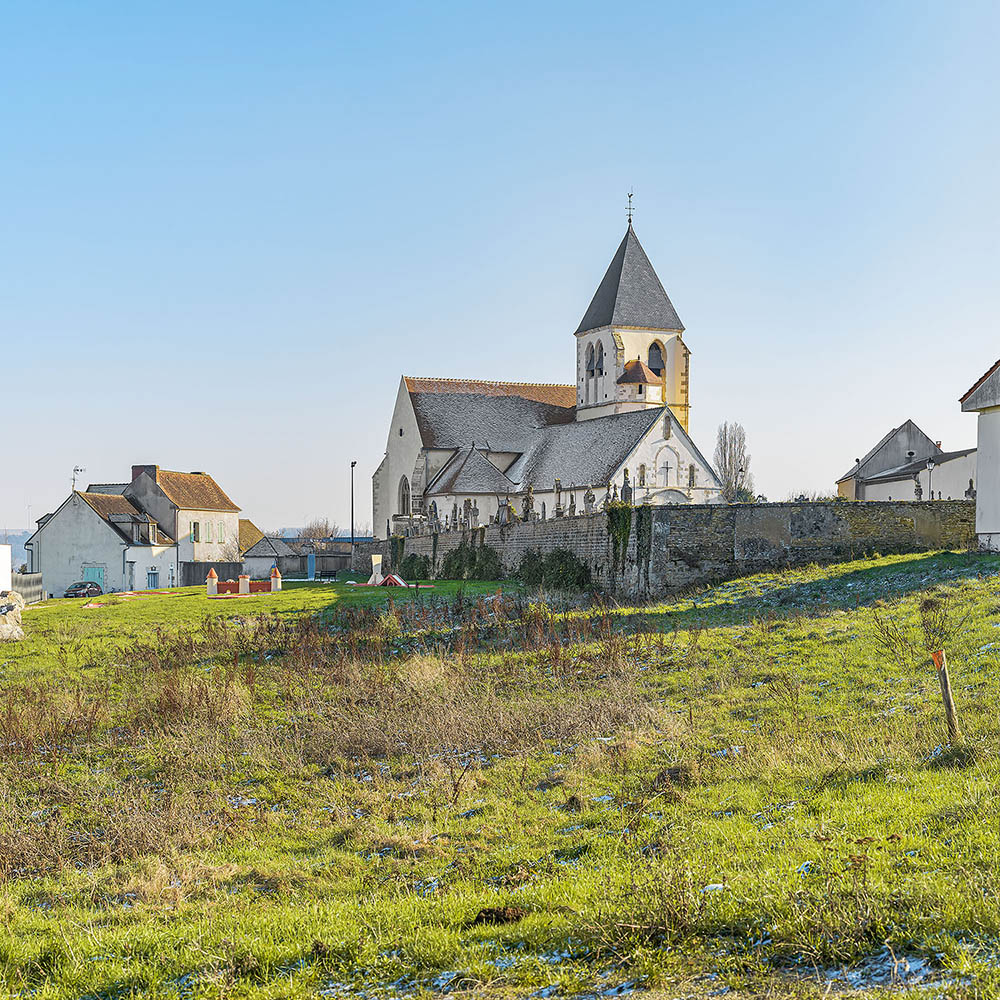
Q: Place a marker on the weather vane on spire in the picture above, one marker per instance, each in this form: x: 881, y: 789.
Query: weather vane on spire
x: 629, y: 209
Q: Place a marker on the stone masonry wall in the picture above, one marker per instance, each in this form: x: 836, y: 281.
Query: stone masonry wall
x: 698, y: 544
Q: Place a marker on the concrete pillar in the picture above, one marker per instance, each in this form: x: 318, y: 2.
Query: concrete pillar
x: 244, y: 583
x: 212, y: 583
x: 275, y: 579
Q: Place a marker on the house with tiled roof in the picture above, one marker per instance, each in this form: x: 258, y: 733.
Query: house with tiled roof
x: 104, y: 538
x: 193, y: 507
x: 461, y: 444
x: 138, y: 535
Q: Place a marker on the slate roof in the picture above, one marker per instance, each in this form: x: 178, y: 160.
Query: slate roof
x: 911, y: 468
x: 499, y: 416
x: 470, y: 471
x: 630, y: 294
x: 874, y: 451
x: 978, y: 384
x: 269, y: 548
x: 117, y: 511
x: 249, y: 534
x: 638, y: 373
x: 107, y: 487
x: 193, y: 491
x: 586, y: 452
x: 106, y: 504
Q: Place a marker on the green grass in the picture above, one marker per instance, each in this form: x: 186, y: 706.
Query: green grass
x: 63, y: 633
x: 725, y: 791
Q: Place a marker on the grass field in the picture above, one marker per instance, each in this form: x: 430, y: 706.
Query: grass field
x: 747, y: 791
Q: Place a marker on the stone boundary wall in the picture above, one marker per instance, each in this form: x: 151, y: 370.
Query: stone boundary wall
x: 672, y: 547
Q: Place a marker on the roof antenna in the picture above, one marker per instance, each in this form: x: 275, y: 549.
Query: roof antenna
x: 629, y: 210
x: 77, y: 469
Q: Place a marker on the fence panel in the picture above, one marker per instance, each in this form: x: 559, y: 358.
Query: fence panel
x: 28, y: 585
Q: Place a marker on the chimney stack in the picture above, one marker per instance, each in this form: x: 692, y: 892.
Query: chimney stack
x: 138, y: 470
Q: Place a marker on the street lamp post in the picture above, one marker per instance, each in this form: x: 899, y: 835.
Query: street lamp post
x: 352, y: 514
x: 930, y: 481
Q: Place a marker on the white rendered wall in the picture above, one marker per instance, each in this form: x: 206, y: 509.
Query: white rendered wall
x: 950, y: 479
x: 4, y: 567
x: 401, y: 453
x: 988, y: 485
x: 71, y: 540
x: 225, y: 549
x: 161, y: 558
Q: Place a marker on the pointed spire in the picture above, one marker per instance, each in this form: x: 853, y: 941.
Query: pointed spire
x: 630, y: 293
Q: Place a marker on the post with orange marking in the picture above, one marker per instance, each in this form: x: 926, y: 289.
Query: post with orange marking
x: 212, y: 583
x: 941, y: 665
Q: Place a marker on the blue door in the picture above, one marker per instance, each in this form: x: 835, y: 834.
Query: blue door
x: 95, y: 573
x: 152, y: 579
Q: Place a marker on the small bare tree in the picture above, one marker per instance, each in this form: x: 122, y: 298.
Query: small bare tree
x: 732, y: 463
x: 320, y: 527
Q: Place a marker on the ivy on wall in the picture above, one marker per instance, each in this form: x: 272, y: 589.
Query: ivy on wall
x: 469, y: 562
x: 396, y: 545
x: 559, y: 569
x: 415, y: 567
x: 644, y: 543
x: 619, y: 530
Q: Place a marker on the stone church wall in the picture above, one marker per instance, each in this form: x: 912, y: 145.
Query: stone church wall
x: 672, y: 547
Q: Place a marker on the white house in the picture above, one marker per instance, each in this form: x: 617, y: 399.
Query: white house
x: 124, y: 536
x: 191, y: 507
x: 455, y: 443
x: 984, y: 398
x: 907, y: 465
x: 101, y: 537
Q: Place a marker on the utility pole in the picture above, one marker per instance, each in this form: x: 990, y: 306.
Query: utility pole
x: 352, y: 514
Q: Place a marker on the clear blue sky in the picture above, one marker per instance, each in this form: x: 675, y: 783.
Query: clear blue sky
x: 228, y: 228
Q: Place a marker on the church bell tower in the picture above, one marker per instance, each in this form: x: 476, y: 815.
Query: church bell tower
x: 630, y: 352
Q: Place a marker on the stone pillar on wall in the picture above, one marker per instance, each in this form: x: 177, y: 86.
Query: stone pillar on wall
x: 244, y: 583
x: 212, y: 583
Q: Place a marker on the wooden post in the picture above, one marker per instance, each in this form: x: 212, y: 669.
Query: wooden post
x: 941, y: 664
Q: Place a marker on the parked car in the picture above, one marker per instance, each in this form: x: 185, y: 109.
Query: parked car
x: 83, y: 588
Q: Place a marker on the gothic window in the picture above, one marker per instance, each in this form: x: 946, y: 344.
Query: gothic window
x: 599, y: 368
x: 642, y: 475
x: 666, y: 427
x: 656, y: 359
x: 691, y: 474
x: 590, y: 361
x: 404, y: 496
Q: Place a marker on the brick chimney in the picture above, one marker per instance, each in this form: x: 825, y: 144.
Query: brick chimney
x: 138, y: 470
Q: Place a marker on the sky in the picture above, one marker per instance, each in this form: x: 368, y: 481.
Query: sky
x: 227, y: 229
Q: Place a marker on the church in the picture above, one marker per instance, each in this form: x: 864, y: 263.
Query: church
x: 465, y: 452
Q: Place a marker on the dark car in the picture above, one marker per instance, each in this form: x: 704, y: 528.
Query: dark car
x: 84, y: 588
